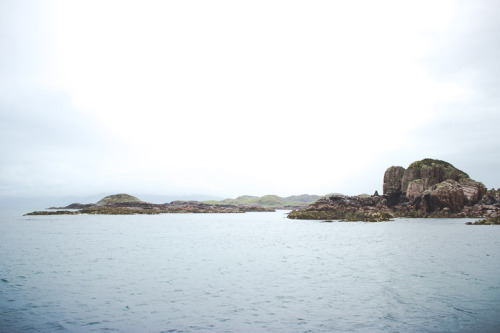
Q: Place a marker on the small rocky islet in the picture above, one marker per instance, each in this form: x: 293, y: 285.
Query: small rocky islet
x: 427, y: 188
x: 125, y: 204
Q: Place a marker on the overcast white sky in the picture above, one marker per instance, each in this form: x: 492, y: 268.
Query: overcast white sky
x: 226, y: 98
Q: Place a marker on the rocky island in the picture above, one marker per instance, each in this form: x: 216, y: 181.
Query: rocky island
x: 124, y: 204
x: 427, y: 188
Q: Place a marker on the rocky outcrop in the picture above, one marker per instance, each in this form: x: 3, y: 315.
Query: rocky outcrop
x: 491, y: 197
x: 346, y: 208
x: 473, y: 190
x: 431, y: 172
x: 392, y: 180
x: 415, y: 189
x: 430, y: 186
x: 448, y: 194
x: 427, y: 188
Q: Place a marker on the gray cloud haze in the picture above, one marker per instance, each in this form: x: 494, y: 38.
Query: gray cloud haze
x: 223, y: 99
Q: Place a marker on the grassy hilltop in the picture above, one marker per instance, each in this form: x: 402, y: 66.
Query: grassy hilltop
x: 270, y: 201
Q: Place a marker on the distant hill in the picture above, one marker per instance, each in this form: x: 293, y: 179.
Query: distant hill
x: 117, y: 198
x: 270, y: 201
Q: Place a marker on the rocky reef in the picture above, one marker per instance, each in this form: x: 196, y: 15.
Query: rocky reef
x: 486, y: 221
x: 124, y: 204
x: 427, y: 188
x: 345, y: 208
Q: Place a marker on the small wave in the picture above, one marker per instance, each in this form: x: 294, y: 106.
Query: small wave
x: 56, y: 325
x: 109, y: 329
x: 462, y: 310
x: 390, y: 317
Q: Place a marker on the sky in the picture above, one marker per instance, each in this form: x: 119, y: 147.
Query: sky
x: 225, y: 98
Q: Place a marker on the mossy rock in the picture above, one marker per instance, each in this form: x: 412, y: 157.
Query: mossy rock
x: 117, y: 198
x: 342, y: 215
x: 487, y: 221
x: 432, y: 172
x: 432, y: 162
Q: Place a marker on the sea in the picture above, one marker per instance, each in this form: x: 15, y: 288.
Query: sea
x: 251, y: 272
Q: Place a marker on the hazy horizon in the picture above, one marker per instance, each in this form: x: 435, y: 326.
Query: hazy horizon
x: 222, y: 98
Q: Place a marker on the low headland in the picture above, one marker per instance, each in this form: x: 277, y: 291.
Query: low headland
x: 125, y: 204
x: 427, y: 188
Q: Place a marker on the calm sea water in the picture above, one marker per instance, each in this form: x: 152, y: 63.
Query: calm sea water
x: 253, y: 272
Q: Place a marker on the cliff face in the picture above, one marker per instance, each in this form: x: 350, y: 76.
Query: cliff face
x: 392, y: 180
x: 448, y: 194
x: 427, y: 188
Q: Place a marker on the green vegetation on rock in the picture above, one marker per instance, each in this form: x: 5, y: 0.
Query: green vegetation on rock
x: 341, y: 215
x: 430, y: 162
x: 487, y: 221
x: 306, y: 198
x: 117, y: 198
x: 430, y: 172
x: 270, y: 201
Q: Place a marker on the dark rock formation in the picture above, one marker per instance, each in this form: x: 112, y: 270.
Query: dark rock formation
x: 491, y: 197
x: 427, y: 188
x: 448, y: 194
x: 435, y: 188
x: 392, y: 180
x: 432, y: 185
x: 430, y: 172
x: 473, y: 191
